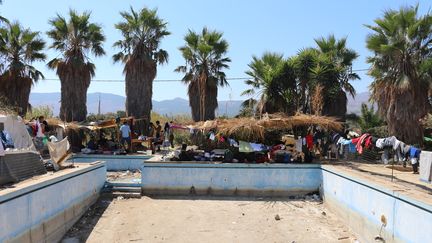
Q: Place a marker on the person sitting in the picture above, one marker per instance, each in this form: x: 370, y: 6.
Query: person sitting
x: 5, y: 138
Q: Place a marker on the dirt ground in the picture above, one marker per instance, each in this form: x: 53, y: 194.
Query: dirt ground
x: 209, y: 220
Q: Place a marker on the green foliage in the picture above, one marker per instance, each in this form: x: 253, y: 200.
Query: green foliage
x: 205, y: 56
x: 289, y: 85
x: 43, y: 110
x: 142, y: 33
x: 369, y: 118
x: 248, y: 108
x: 181, y: 137
x: 273, y: 81
x: 74, y: 39
x: 20, y: 47
x: 402, y: 69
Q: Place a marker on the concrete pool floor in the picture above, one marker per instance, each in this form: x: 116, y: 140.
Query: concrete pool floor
x: 209, y: 220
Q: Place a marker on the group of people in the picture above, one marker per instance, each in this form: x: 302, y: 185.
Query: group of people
x: 160, y: 137
x: 38, y: 128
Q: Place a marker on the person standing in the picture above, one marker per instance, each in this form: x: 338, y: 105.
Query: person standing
x: 157, y: 131
x: 171, y: 134
x: 125, y: 134
x: 40, y: 134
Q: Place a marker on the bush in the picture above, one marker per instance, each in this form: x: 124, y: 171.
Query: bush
x: 43, y: 110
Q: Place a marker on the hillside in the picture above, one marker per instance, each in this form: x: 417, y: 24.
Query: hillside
x: 113, y: 103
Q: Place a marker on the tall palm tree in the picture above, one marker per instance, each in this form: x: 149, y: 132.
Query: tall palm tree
x: 273, y: 79
x: 205, y: 56
x: 140, y: 52
x: 75, y: 39
x: 304, y: 62
x: 19, y: 48
x: 401, y: 66
x: 336, y: 60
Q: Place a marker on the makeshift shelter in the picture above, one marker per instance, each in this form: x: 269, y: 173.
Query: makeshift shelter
x: 23, y: 161
x: 16, y: 128
x: 255, y: 129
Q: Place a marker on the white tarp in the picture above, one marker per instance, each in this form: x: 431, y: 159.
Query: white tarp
x: 426, y: 166
x: 59, y: 150
x: 16, y: 128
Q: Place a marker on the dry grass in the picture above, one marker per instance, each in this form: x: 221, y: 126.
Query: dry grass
x: 254, y: 129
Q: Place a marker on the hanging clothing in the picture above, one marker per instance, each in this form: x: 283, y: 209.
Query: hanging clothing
x: 361, y: 142
x: 309, y: 141
x: 299, y: 145
x: 380, y: 143
x: 367, y: 143
x: 414, y: 152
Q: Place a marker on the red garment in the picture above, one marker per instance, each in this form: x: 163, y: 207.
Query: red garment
x: 355, y: 140
x: 368, y: 142
x: 309, y: 141
x: 359, y: 145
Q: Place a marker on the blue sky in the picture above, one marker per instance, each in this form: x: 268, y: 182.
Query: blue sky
x: 251, y: 27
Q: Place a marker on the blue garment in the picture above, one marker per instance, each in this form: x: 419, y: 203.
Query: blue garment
x: 232, y: 142
x: 414, y: 152
x: 352, y: 147
x: 125, y: 130
x: 6, y: 139
x: 257, y: 147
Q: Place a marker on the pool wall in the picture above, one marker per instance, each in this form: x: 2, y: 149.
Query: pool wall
x: 362, y: 205
x: 114, y: 162
x: 44, y: 212
x: 229, y: 179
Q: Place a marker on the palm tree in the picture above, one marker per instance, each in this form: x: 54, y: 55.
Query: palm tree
x: 401, y: 66
x: 333, y: 71
x: 205, y: 56
x: 140, y: 52
x: 304, y: 62
x: 75, y: 39
x: 274, y: 81
x: 19, y: 48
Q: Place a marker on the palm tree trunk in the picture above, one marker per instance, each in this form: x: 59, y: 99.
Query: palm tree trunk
x: 75, y: 81
x: 194, y: 100
x: 16, y: 92
x: 200, y: 113
x: 139, y: 91
x: 404, y: 112
x: 211, y: 102
x: 335, y: 106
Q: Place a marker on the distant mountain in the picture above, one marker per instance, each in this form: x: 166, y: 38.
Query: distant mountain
x: 354, y: 104
x: 113, y: 103
x: 176, y: 106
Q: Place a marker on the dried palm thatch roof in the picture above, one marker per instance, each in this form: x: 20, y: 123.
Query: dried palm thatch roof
x: 254, y: 129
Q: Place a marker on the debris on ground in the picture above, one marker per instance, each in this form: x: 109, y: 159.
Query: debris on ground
x: 277, y: 217
x: 116, y: 175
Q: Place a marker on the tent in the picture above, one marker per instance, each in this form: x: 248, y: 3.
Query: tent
x: 16, y: 128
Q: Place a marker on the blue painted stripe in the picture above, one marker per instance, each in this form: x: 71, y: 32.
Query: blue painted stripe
x: 404, y: 199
